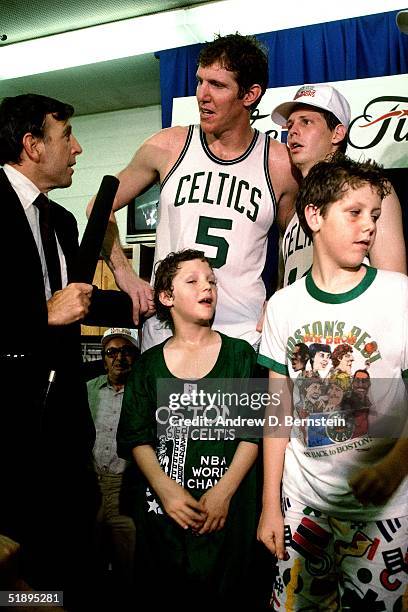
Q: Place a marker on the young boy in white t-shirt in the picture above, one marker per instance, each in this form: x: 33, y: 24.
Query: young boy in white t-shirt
x: 342, y: 540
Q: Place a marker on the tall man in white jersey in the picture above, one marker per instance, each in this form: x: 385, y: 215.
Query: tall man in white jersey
x: 222, y: 185
x: 317, y: 120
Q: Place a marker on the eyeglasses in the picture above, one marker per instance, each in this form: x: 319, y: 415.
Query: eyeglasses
x: 126, y: 351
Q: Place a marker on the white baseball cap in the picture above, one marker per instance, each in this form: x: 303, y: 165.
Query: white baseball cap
x: 121, y: 332
x: 322, y: 96
x: 402, y: 21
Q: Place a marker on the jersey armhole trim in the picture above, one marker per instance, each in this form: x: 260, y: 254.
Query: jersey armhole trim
x: 268, y: 178
x: 181, y: 156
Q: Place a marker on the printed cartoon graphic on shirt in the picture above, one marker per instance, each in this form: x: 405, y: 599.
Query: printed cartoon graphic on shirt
x: 330, y: 363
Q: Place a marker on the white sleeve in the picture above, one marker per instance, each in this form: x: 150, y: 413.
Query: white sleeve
x: 272, y: 352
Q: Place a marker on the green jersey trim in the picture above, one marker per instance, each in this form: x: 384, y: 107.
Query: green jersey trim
x: 228, y: 162
x: 268, y: 178
x: 277, y: 367
x: 340, y: 298
x: 181, y: 156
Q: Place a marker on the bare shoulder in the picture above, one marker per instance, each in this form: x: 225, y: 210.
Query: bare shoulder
x: 162, y: 150
x: 169, y: 138
x: 279, y: 158
x: 150, y: 164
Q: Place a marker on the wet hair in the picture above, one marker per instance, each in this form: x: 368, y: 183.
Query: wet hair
x: 165, y: 271
x: 245, y: 56
x: 328, y: 181
x: 24, y: 114
x: 332, y: 122
x: 339, y: 352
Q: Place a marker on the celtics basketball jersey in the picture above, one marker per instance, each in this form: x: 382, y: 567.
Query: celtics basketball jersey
x: 297, y: 251
x: 225, y: 209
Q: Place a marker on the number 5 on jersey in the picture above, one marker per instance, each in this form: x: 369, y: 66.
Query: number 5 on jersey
x: 204, y: 237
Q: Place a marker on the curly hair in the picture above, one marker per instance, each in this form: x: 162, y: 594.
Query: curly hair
x: 165, y: 271
x: 329, y: 180
x: 24, y: 114
x: 245, y: 56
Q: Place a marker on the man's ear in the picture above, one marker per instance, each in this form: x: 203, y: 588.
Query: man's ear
x: 166, y: 298
x: 339, y: 133
x: 252, y: 94
x: 313, y: 217
x: 32, y: 147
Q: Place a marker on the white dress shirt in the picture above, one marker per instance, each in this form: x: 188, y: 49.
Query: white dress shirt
x: 27, y: 192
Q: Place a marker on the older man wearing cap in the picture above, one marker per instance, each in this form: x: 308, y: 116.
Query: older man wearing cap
x: 317, y: 119
x: 115, y: 536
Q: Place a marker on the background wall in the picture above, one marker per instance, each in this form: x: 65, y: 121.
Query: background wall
x: 109, y: 141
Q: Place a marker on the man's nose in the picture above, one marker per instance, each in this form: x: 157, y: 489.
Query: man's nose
x: 76, y: 147
x: 293, y: 129
x: 202, y: 91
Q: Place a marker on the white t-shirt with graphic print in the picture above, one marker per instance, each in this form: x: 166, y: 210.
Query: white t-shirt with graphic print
x: 352, y: 410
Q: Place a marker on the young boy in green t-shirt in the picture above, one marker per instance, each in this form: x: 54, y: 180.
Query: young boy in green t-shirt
x: 195, y: 518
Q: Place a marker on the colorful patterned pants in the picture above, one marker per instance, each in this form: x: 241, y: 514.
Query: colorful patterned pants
x: 335, y: 564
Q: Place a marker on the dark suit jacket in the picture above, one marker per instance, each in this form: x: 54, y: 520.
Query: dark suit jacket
x: 56, y: 437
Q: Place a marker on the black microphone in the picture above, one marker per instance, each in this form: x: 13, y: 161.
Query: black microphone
x: 88, y: 256
x: 92, y: 240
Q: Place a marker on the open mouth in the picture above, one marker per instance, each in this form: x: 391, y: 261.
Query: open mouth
x: 206, y: 111
x: 294, y: 146
x: 208, y: 301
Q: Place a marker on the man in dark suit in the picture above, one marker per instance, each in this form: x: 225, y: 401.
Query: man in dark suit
x: 48, y: 492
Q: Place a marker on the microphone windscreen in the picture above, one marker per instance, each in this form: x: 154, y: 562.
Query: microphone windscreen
x: 92, y: 240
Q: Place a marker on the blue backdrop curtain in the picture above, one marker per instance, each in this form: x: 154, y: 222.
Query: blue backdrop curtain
x: 357, y: 48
